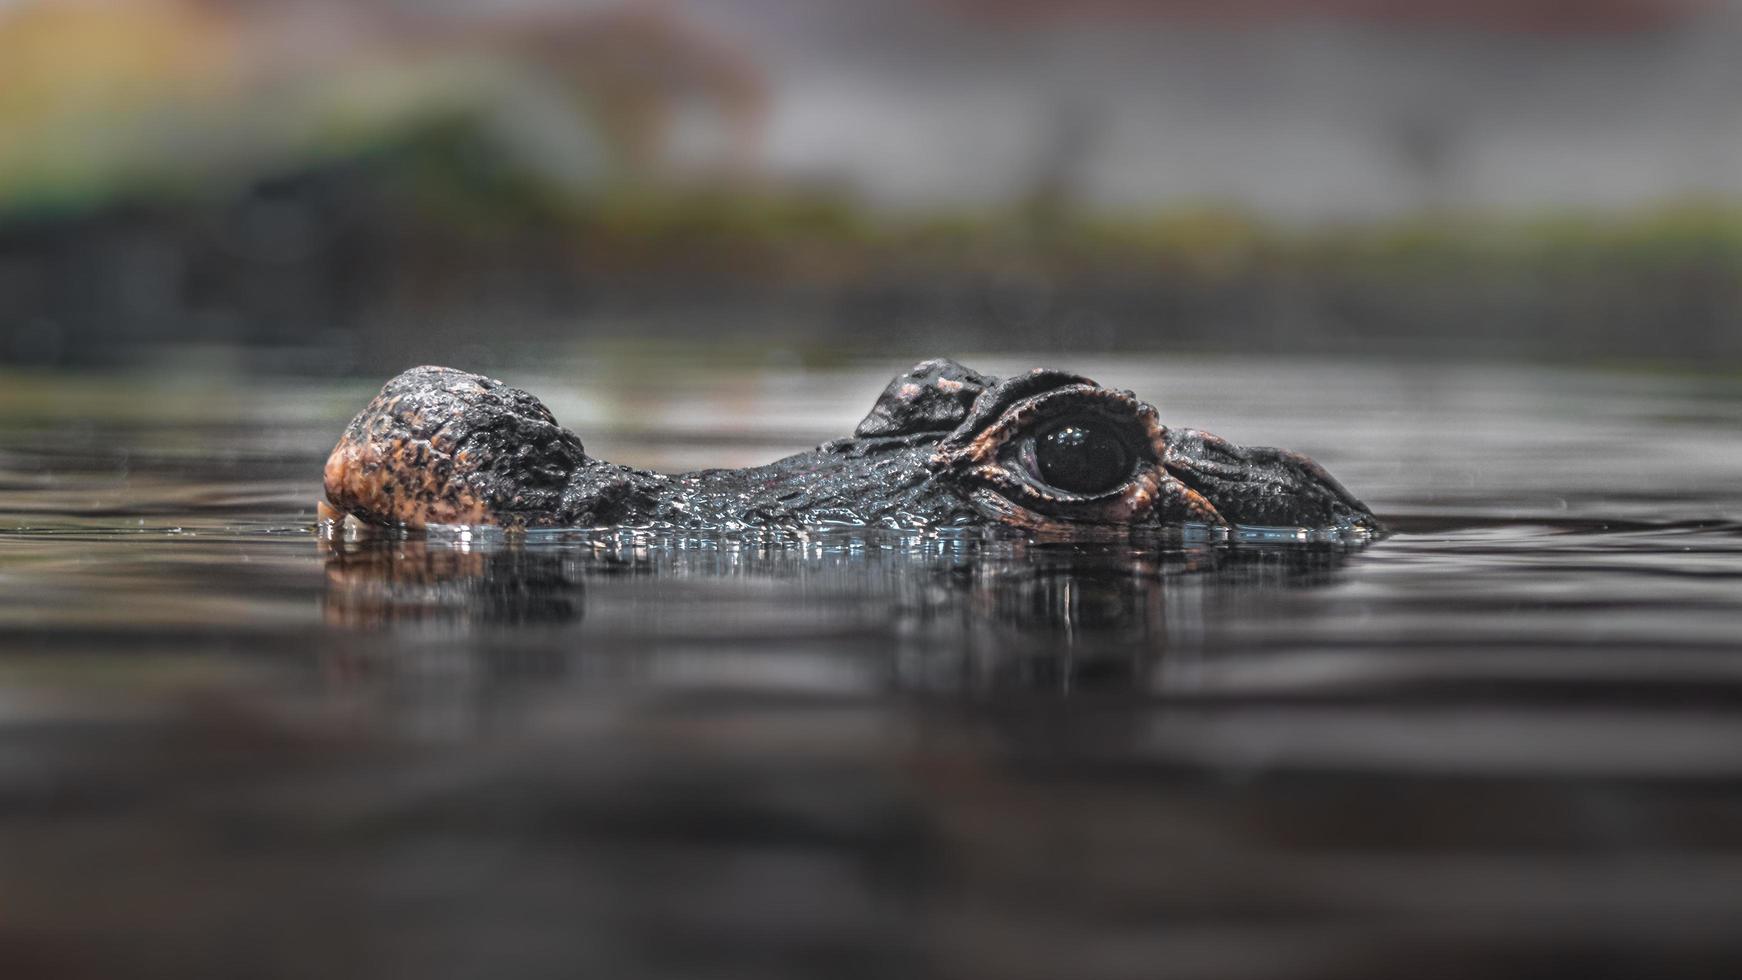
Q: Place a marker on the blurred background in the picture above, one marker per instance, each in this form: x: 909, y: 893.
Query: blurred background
x: 1480, y: 258
x: 351, y: 186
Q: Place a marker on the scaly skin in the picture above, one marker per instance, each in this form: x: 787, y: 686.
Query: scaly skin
x: 943, y: 447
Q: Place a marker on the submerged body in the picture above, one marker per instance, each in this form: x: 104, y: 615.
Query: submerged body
x: 944, y: 446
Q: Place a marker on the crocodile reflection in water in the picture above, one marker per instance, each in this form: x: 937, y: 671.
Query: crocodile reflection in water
x: 382, y: 583
x: 917, y: 611
x: 944, y: 446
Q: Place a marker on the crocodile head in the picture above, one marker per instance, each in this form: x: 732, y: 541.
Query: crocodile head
x: 943, y: 446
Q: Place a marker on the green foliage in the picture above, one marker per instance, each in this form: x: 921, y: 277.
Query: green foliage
x: 443, y: 175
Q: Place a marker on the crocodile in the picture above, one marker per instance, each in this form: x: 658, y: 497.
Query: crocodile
x: 944, y: 446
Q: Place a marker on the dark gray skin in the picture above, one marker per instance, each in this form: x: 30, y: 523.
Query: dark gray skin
x: 945, y: 446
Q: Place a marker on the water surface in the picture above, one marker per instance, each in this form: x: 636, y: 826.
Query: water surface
x: 1505, y: 741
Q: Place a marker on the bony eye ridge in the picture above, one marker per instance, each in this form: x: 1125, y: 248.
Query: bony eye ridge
x: 1080, y: 457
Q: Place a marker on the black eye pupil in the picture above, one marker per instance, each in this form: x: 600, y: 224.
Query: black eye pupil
x: 1082, y: 459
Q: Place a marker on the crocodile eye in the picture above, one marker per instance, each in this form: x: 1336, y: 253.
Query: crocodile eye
x: 1064, y: 455
x: 1082, y: 457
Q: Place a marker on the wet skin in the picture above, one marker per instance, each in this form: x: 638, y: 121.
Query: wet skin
x: 944, y: 446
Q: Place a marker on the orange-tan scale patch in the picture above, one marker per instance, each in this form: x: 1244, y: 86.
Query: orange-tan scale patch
x: 1196, y: 503
x: 400, y: 461
x: 401, y: 481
